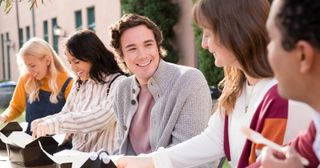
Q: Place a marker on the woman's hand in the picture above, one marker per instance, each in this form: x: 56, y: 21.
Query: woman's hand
x: 135, y: 162
x: 39, y: 129
x: 3, y: 119
x: 274, y: 159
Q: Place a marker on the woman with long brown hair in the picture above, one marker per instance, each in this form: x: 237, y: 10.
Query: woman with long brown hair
x: 234, y: 32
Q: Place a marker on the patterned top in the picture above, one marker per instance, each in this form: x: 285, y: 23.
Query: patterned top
x: 89, y: 115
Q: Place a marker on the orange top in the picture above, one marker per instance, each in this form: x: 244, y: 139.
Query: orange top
x: 18, y: 102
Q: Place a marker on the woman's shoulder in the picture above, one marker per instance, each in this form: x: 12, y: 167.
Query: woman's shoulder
x: 63, y: 77
x: 24, y: 77
x: 273, y: 98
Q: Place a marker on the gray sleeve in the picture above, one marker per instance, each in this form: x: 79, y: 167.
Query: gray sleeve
x: 119, y: 131
x: 195, y: 113
x: 196, y: 109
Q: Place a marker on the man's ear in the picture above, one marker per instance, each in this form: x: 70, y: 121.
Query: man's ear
x: 306, y: 52
x: 120, y: 55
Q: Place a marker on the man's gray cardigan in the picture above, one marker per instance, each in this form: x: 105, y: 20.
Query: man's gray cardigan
x: 182, y: 106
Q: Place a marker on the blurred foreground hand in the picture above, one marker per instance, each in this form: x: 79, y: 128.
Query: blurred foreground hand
x: 274, y: 159
x: 135, y: 162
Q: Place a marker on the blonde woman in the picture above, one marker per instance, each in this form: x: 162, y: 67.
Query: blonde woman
x: 43, y: 85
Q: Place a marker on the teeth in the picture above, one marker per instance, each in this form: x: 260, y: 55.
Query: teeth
x: 145, y: 64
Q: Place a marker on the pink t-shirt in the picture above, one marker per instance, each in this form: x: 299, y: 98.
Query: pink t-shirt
x: 140, y: 125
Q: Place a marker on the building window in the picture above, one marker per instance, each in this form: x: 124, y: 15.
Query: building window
x: 78, y: 19
x: 45, y: 31
x: 8, y: 55
x: 20, y: 37
x: 55, y: 38
x: 3, y: 58
x: 91, y: 19
x: 27, y: 33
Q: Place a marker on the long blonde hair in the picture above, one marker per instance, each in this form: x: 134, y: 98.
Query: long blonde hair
x: 39, y: 48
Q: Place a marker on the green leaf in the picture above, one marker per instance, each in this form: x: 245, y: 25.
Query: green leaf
x: 1, y: 2
x: 8, y: 6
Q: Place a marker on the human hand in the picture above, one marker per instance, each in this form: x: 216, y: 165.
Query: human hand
x: 39, y: 129
x: 273, y: 159
x: 3, y: 118
x: 34, y: 124
x: 135, y: 162
x: 68, y: 137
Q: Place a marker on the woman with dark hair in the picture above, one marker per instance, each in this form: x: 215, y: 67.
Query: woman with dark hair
x: 88, y: 113
x: 234, y: 32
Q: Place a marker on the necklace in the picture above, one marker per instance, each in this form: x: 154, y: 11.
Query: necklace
x: 248, y: 96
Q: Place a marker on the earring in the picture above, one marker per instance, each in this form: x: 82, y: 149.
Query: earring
x: 214, y: 54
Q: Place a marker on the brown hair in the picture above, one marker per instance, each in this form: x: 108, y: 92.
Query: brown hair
x: 128, y: 21
x: 240, y: 27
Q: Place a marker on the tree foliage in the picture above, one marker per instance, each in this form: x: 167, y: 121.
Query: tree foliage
x: 8, y: 4
x: 164, y: 13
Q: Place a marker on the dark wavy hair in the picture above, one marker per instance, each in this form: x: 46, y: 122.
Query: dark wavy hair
x: 86, y: 46
x: 128, y: 21
x: 299, y: 20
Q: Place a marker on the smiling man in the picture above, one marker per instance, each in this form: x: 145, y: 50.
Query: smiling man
x: 161, y: 104
x: 294, y: 55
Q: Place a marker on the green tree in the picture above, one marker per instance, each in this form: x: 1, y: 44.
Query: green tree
x: 164, y: 13
x: 8, y: 4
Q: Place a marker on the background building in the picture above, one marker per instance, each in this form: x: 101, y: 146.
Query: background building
x: 56, y: 19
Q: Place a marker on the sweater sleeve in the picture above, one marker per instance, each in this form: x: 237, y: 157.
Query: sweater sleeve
x: 195, y: 109
x: 18, y: 102
x: 93, y: 119
x: 119, y: 131
x: 201, y: 149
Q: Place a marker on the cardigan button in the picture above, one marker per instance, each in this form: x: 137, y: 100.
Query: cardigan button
x: 125, y: 128
x: 133, y: 102
x: 133, y: 91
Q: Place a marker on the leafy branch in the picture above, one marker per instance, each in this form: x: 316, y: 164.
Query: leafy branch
x: 8, y: 4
